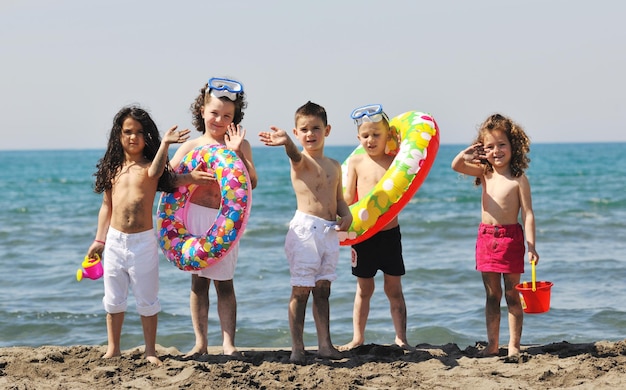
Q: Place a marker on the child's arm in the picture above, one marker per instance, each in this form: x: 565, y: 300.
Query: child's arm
x: 104, y: 220
x: 235, y: 141
x: 196, y: 176
x: 349, y: 193
x: 160, y: 159
x: 279, y: 137
x: 528, y: 217
x: 469, y: 160
x: 180, y: 153
x: 343, y: 210
x: 246, y: 157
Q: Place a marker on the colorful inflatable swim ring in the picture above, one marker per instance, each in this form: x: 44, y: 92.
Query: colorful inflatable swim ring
x: 194, y: 252
x: 414, y: 142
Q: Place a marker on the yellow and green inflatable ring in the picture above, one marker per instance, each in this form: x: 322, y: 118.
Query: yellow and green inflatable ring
x: 415, y: 143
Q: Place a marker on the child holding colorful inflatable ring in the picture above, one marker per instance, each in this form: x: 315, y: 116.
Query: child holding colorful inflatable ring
x: 383, y: 250
x: 217, y: 112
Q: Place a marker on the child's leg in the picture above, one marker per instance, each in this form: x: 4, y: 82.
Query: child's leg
x: 516, y: 312
x: 297, y: 310
x: 114, y: 334
x: 149, y: 325
x: 321, y: 314
x: 493, y: 290
x: 364, y: 291
x: 397, y: 306
x: 199, y: 308
x: 227, y: 312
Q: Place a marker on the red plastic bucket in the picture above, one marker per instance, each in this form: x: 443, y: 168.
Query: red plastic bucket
x: 537, y: 301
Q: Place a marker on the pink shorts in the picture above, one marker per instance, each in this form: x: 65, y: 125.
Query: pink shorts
x: 500, y: 248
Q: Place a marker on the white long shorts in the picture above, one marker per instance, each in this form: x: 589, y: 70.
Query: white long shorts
x: 312, y: 249
x: 199, y: 220
x: 131, y: 261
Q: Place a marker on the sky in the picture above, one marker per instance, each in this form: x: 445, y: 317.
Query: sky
x: 554, y: 66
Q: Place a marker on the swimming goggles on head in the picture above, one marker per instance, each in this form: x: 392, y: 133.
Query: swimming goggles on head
x: 225, y: 87
x: 369, y: 113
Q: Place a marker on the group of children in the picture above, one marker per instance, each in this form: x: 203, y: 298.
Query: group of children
x: 135, y: 166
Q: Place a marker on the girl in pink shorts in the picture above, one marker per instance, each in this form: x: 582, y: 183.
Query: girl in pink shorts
x: 497, y: 159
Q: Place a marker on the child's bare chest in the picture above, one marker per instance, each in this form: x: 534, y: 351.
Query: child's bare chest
x: 501, y: 199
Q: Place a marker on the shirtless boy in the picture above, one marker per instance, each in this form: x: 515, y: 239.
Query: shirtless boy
x: 382, y: 251
x: 133, y: 168
x: 312, y: 245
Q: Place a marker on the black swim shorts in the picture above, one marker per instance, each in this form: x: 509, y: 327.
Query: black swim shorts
x: 382, y: 251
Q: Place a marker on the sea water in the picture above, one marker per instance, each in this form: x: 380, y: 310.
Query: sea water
x: 49, y: 215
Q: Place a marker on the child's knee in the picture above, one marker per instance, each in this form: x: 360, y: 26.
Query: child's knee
x: 494, y: 299
x: 322, y: 289
x: 199, y: 284
x: 300, y: 293
x: 224, y: 287
x: 393, y: 290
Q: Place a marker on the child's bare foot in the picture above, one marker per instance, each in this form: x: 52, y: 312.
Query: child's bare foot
x: 351, y: 345
x: 487, y: 353
x: 195, y: 352
x: 516, y: 358
x: 513, y: 356
x: 154, y: 360
x: 232, y: 351
x: 329, y: 353
x: 111, y: 353
x: 298, y: 357
x: 404, y: 345
x: 514, y: 351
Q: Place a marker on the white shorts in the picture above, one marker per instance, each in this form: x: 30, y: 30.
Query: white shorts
x: 312, y: 249
x: 131, y: 261
x: 199, y: 220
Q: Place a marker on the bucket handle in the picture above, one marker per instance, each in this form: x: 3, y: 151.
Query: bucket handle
x: 533, y: 266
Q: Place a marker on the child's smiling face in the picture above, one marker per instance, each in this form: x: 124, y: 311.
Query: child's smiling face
x: 497, y: 147
x: 218, y: 114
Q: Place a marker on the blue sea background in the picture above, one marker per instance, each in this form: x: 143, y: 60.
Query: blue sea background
x: 49, y: 214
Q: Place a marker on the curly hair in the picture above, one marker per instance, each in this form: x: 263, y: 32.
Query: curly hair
x: 312, y: 109
x: 110, y: 164
x: 205, y: 97
x: 520, y: 143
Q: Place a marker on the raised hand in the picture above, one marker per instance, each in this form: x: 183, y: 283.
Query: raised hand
x: 235, y: 135
x: 176, y: 137
x: 275, y: 137
x: 475, y: 154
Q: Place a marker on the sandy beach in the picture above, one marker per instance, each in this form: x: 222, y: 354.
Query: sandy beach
x: 599, y: 365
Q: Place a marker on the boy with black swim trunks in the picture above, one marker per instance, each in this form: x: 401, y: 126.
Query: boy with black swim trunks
x: 383, y: 250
